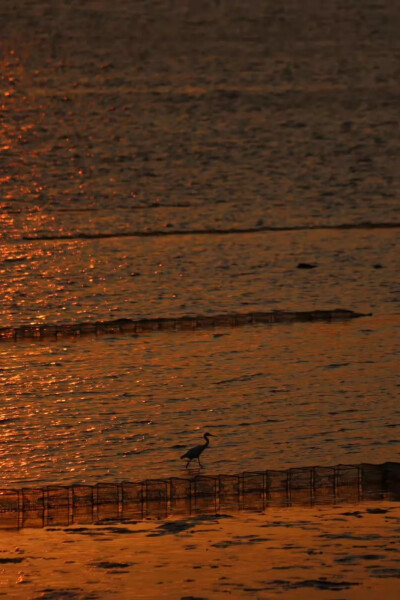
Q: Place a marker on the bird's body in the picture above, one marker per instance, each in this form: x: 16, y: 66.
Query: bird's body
x: 197, y: 450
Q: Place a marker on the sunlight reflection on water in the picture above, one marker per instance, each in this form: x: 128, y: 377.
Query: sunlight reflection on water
x: 123, y: 407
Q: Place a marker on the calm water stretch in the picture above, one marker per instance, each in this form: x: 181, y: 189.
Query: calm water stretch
x: 168, y: 159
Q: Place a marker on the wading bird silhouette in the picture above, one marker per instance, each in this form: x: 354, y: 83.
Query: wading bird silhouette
x: 197, y: 450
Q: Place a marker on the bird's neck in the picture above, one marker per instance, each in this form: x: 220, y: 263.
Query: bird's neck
x: 207, y: 441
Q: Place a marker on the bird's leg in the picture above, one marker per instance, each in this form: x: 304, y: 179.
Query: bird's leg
x: 200, y: 465
x: 188, y: 463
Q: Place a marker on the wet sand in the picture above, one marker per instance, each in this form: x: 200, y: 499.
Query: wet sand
x: 344, y: 552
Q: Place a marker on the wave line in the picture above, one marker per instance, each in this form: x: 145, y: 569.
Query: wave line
x: 212, y: 231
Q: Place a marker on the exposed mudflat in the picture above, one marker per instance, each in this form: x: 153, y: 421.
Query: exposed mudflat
x: 349, y: 552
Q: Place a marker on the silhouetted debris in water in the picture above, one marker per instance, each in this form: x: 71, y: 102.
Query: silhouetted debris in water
x: 105, y: 564
x: 3, y: 561
x: 303, y: 265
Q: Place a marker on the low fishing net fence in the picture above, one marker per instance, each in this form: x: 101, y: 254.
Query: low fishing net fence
x: 160, y: 498
x: 137, y: 326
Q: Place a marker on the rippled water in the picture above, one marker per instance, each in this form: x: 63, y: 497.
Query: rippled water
x: 73, y: 281
x: 164, y: 132
x: 123, y: 407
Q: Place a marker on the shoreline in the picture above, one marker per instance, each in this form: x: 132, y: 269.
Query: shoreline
x: 348, y: 549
